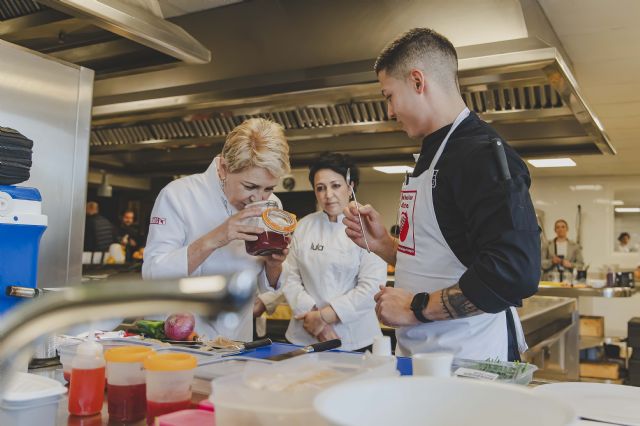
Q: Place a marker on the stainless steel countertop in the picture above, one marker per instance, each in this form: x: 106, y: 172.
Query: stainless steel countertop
x: 609, y: 292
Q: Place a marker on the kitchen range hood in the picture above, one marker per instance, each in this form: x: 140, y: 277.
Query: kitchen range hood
x: 523, y: 87
x: 105, y: 35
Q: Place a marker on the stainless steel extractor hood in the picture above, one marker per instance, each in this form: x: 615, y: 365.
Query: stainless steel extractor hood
x: 105, y: 35
x: 523, y: 87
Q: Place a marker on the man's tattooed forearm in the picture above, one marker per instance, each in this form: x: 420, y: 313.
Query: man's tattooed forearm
x: 456, y: 304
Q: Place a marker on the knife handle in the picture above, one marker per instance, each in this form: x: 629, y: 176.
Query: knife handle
x: 501, y: 157
x: 326, y: 346
x: 257, y: 344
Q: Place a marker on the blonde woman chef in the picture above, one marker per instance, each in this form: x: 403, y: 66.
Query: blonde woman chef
x: 197, y: 224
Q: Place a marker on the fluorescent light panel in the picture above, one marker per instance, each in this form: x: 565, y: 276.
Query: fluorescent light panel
x: 394, y: 169
x: 627, y: 209
x: 617, y: 203
x: 552, y: 162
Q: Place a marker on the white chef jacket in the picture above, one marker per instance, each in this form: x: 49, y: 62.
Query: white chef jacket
x: 185, y: 210
x: 325, y: 267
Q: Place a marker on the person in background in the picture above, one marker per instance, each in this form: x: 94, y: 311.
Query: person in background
x: 99, y: 233
x: 469, y: 249
x: 561, y: 254
x: 624, y: 243
x: 330, y: 281
x: 198, y: 223
x: 129, y: 234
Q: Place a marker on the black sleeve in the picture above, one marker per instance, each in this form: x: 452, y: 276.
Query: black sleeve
x: 502, y: 229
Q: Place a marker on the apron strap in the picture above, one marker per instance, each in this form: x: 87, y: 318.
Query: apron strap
x: 513, y: 351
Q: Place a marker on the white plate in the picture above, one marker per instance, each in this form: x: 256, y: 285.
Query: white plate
x: 598, y: 401
x: 409, y: 401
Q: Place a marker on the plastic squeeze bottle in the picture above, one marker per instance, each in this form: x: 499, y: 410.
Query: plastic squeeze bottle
x: 86, y: 390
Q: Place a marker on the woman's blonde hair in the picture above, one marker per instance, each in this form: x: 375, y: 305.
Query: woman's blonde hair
x: 257, y: 143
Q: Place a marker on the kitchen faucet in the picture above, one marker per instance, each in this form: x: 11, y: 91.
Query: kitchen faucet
x: 210, y: 297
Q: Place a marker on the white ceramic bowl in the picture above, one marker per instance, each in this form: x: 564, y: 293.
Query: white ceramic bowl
x: 597, y: 283
x: 422, y: 401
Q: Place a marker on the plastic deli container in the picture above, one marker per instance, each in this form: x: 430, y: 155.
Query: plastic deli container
x: 278, y: 225
x: 86, y: 388
x: 169, y: 377
x: 31, y: 400
x: 282, y: 393
x: 126, y: 388
x: 520, y: 373
x: 67, y: 352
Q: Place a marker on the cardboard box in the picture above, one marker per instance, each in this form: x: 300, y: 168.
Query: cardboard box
x: 591, y: 326
x: 600, y: 370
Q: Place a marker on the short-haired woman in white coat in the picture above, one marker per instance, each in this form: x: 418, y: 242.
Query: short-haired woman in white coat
x: 197, y: 223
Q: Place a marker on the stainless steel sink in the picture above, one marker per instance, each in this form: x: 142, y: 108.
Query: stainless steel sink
x: 550, y: 326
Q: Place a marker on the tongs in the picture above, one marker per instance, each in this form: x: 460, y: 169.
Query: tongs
x: 353, y: 194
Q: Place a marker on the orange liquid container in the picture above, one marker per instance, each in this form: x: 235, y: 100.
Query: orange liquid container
x: 86, y: 391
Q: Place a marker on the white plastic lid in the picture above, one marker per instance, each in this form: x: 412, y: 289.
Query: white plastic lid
x: 90, y: 348
x: 28, y: 387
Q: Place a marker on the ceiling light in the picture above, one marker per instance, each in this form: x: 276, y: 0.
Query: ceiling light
x: 627, y: 209
x: 585, y: 187
x: 394, y: 169
x: 552, y: 162
x: 617, y: 203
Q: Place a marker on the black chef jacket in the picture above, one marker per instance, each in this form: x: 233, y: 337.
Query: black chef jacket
x: 489, y: 223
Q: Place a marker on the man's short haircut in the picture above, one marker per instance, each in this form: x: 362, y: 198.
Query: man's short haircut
x: 421, y: 48
x: 622, y: 235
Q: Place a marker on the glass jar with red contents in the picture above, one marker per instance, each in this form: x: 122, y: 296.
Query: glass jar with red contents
x: 126, y: 384
x: 278, y: 225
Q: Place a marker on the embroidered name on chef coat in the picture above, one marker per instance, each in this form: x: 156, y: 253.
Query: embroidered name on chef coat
x: 317, y: 247
x: 158, y: 220
x: 434, y: 179
x: 406, y: 239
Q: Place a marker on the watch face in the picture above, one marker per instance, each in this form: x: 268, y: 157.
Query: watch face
x: 418, y: 302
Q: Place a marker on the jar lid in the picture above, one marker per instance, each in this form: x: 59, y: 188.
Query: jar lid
x: 170, y: 362
x: 128, y: 354
x: 279, y: 220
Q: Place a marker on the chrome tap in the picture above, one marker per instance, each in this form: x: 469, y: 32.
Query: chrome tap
x: 207, y: 296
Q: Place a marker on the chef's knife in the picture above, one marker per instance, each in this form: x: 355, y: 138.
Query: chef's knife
x: 316, y: 347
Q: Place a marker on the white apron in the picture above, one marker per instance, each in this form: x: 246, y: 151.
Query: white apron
x: 426, y: 263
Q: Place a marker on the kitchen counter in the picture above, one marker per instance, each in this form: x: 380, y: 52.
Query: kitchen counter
x: 608, y: 292
x: 64, y: 419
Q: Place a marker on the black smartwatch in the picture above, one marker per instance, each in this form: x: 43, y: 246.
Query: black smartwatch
x: 418, y: 304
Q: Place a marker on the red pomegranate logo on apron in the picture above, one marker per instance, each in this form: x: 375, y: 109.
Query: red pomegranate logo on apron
x: 404, y: 226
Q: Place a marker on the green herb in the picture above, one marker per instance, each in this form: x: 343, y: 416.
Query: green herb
x: 150, y: 328
x: 502, y: 369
